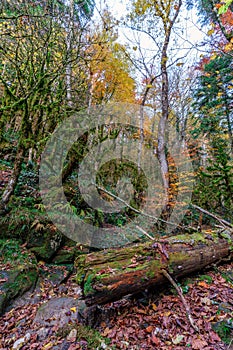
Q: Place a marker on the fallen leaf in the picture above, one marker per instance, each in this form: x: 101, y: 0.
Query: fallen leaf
x: 154, y: 307
x: 47, y: 346
x: 149, y: 329
x: 198, y: 344
x: 205, y: 301
x: 71, y: 337
x: 203, y: 284
x: 178, y: 339
x: 155, y: 340
x: 105, y: 332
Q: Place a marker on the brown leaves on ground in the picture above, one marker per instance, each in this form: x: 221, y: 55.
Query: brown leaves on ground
x: 152, y: 322
x: 164, y: 325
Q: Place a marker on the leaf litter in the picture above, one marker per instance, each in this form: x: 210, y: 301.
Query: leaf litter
x: 147, y: 321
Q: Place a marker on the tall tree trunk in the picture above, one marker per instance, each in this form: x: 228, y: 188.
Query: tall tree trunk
x: 23, y: 145
x: 163, y: 122
x: 9, y: 190
x: 69, y: 39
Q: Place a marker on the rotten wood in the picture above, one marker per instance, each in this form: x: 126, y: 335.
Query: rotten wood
x: 113, y: 273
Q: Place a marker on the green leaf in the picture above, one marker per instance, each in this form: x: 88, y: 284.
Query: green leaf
x: 223, y: 9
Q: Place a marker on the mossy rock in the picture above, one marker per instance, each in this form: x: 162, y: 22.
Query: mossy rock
x: 55, y: 274
x: 67, y: 254
x: 18, y: 282
x: 21, y: 273
x: 64, y: 256
x: 44, y: 244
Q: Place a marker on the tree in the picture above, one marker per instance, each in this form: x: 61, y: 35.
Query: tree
x: 220, y: 14
x: 214, y: 95
x: 35, y: 58
x: 213, y: 121
x: 144, y: 14
x: 78, y: 11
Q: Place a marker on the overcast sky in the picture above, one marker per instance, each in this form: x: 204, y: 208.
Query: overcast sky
x: 185, y: 45
x: 192, y: 31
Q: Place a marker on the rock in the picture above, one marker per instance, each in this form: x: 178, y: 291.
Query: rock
x: 64, y: 346
x: 18, y: 344
x: 19, y: 281
x: 224, y: 329
x: 42, y: 333
x: 21, y: 273
x: 52, y: 273
x: 55, y: 274
x: 44, y: 244
x: 67, y: 253
x: 58, y: 311
x: 225, y: 307
x: 64, y: 256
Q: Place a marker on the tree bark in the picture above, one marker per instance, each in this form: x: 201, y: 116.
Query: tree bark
x: 109, y: 275
x: 163, y: 122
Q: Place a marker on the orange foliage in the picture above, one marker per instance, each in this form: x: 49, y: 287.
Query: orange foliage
x: 227, y: 19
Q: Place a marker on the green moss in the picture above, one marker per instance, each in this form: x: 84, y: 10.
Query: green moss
x: 22, y: 282
x: 227, y: 235
x: 88, y: 284
x: 194, y: 238
x: 92, y: 337
x: 12, y: 252
x: 19, y: 280
x: 80, y: 266
x: 177, y: 257
x: 224, y: 330
x: 154, y: 266
x: 206, y: 278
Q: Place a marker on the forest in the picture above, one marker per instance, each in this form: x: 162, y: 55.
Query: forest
x: 116, y: 174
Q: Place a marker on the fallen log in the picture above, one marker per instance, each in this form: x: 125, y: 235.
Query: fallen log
x: 110, y: 274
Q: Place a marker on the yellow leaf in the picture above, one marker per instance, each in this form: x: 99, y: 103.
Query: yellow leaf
x: 211, y: 318
x: 209, y: 86
x: 228, y: 47
x: 213, y: 56
x: 73, y: 309
x: 220, y: 94
x: 210, y: 32
x: 154, y: 307
x: 47, y: 346
x: 167, y: 313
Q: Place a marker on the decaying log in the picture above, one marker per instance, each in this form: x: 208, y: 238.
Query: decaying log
x: 113, y: 273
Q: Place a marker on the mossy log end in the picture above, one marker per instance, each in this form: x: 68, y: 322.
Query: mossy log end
x: 110, y: 274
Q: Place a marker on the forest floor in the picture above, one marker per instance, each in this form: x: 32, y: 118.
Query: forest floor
x: 152, y: 320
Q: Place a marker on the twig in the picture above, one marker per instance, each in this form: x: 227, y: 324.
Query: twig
x: 229, y: 347
x: 145, y: 233
x: 132, y: 208
x: 222, y: 221
x: 186, y: 306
